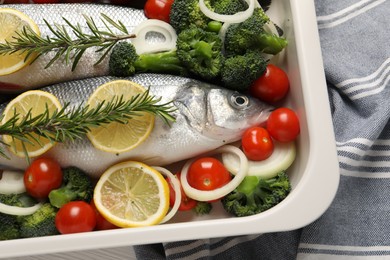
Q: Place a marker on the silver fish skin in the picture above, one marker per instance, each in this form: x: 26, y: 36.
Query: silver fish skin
x: 207, y: 117
x: 35, y: 75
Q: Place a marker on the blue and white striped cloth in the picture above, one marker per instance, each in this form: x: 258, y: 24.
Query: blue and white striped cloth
x: 355, y: 41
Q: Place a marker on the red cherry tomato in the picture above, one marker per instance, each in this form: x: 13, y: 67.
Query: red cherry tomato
x: 207, y: 174
x: 257, y: 143
x: 272, y: 86
x: 75, y: 217
x: 46, y: 1
x: 186, y: 202
x: 42, y: 176
x: 158, y: 9
x: 283, y: 124
x: 101, y: 222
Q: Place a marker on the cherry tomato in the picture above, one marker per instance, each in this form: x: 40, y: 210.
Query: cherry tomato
x: 42, y: 176
x: 75, y: 217
x: 272, y: 86
x: 101, y: 222
x: 257, y: 143
x: 207, y: 173
x: 158, y: 9
x: 186, y: 202
x: 46, y: 1
x: 283, y: 124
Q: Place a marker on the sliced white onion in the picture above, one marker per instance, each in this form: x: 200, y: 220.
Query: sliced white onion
x: 11, y: 182
x: 281, y: 159
x: 218, y: 193
x: 222, y: 31
x: 19, y: 211
x: 176, y: 187
x: 142, y: 45
x: 234, y: 18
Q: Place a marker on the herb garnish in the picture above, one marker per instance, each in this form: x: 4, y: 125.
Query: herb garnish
x: 70, y: 46
x: 73, y: 123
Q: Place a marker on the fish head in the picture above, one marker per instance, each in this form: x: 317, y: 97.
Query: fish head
x: 219, y: 113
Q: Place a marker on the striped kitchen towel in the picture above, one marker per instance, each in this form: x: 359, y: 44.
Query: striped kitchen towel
x: 355, y: 41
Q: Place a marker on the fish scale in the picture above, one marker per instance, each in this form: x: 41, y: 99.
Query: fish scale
x: 35, y: 75
x: 214, y: 118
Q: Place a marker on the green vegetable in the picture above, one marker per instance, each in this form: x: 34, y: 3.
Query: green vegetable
x: 124, y: 61
x: 214, y: 26
x: 185, y: 14
x: 200, y: 52
x: 250, y: 34
x: 202, y: 208
x: 41, y: 223
x: 18, y: 200
x: 77, y: 185
x: 228, y: 7
x: 9, y: 227
x: 238, y: 72
x: 255, y: 195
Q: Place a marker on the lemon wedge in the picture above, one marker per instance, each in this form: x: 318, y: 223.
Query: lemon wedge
x: 116, y: 137
x: 132, y: 194
x: 35, y: 101
x: 13, y: 21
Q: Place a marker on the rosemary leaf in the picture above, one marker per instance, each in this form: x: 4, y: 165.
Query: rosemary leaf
x: 69, y: 124
x: 64, y: 42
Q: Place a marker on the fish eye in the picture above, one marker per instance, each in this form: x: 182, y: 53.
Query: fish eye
x: 239, y: 101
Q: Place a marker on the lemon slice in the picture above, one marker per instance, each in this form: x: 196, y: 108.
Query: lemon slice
x: 13, y: 21
x: 116, y: 137
x: 35, y: 101
x: 132, y: 194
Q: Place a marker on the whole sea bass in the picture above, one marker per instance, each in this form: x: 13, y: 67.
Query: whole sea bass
x: 207, y: 117
x: 35, y: 75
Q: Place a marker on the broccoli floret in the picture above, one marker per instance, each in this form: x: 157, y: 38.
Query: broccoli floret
x: 228, y: 7
x: 9, y: 224
x: 76, y: 185
x: 9, y: 227
x: 185, y: 14
x: 238, y: 72
x: 203, y: 207
x: 255, y: 195
x: 40, y: 223
x: 250, y: 34
x: 18, y: 200
x: 200, y: 52
x: 124, y: 61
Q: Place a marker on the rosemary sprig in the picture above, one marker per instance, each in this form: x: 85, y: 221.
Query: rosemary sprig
x: 73, y: 123
x: 71, y: 46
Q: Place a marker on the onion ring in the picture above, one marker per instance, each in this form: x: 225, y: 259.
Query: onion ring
x: 19, y: 211
x: 176, y: 186
x: 153, y: 25
x: 12, y: 182
x: 234, y: 18
x: 280, y: 160
x: 218, y: 193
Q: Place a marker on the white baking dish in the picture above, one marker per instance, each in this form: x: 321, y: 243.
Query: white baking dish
x: 314, y: 174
